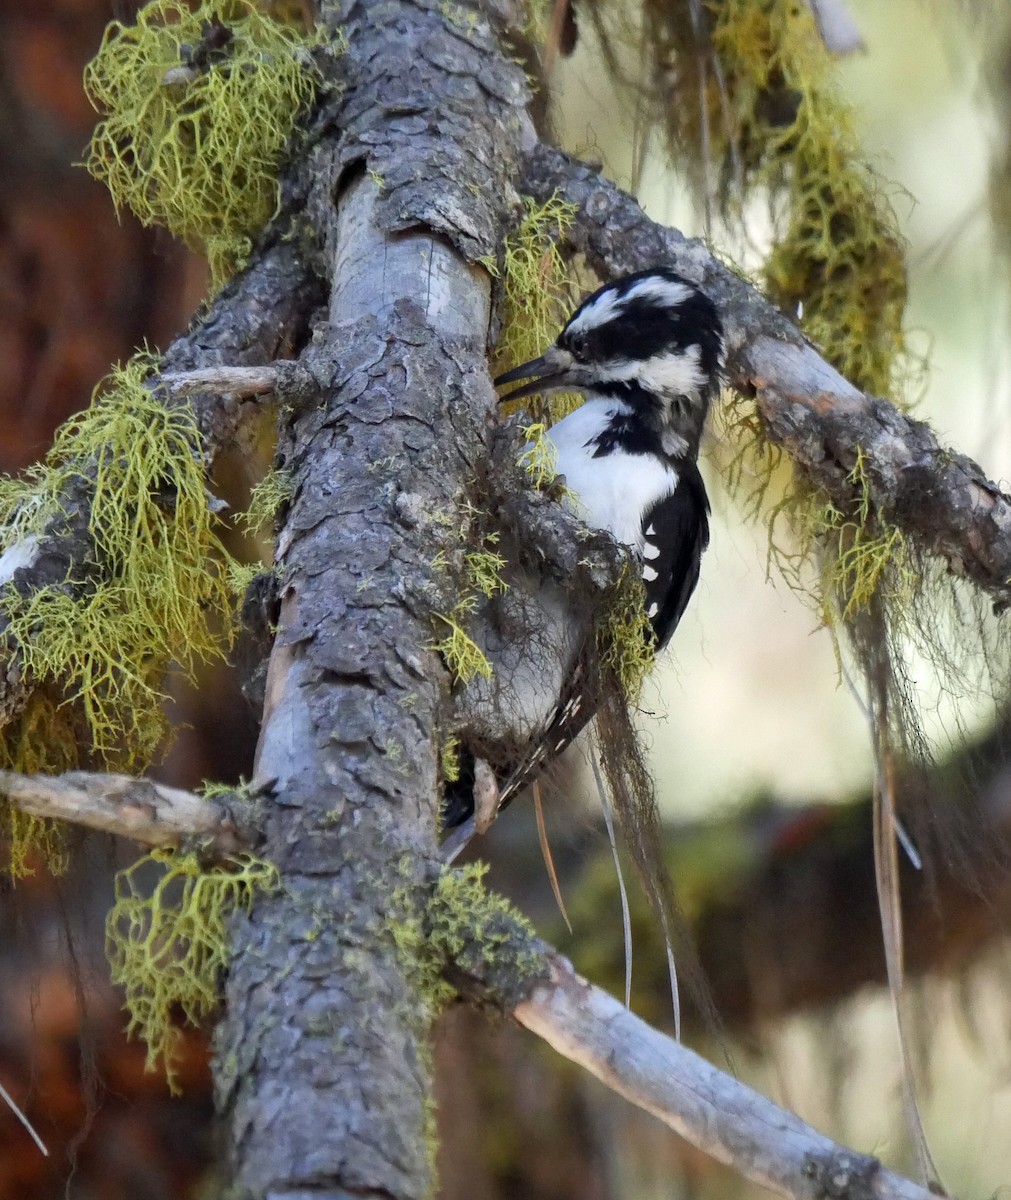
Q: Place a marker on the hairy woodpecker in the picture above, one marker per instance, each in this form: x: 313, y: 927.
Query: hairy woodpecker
x: 647, y: 351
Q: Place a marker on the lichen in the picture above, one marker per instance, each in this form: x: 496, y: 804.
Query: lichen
x: 266, y: 500
x: 838, y: 259
x: 844, y: 560
x: 102, y: 642
x: 167, y: 940
x: 198, y: 105
x: 42, y: 740
x: 449, y: 760
x: 625, y: 636
x: 480, y: 574
x: 537, y: 289
x: 464, y: 658
x: 539, y: 458
x: 462, y: 925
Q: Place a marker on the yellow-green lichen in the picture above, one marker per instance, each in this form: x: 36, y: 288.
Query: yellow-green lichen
x: 198, y: 105
x: 484, y: 568
x: 449, y: 760
x: 843, y: 560
x: 464, y: 658
x: 481, y: 575
x: 161, y: 592
x: 478, y: 930
x: 838, y: 259
x: 463, y: 925
x: 266, y: 500
x: 625, y: 636
x: 539, y: 457
x: 167, y: 942
x: 41, y: 740
x: 536, y: 292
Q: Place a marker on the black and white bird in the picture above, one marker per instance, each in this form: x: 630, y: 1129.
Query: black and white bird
x: 647, y: 352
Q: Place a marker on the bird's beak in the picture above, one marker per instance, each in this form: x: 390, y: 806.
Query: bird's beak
x: 543, y: 374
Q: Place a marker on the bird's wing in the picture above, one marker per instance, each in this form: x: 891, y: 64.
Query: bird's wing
x: 675, y: 533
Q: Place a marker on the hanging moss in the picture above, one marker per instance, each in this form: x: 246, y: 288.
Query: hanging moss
x: 838, y: 258
x: 167, y: 940
x: 104, y: 643
x: 198, y: 105
x: 625, y: 636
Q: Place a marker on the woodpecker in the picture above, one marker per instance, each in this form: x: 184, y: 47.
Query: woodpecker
x: 647, y: 352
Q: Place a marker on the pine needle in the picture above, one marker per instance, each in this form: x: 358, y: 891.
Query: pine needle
x: 549, y: 862
x: 23, y: 1119
x: 626, y: 918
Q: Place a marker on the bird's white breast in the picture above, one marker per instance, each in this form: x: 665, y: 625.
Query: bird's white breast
x: 614, y: 491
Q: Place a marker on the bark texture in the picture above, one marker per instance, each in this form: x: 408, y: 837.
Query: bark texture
x: 323, y: 1066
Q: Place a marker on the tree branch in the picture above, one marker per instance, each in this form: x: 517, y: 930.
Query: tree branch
x: 259, y: 315
x: 140, y: 809
x: 237, y: 381
x: 706, y: 1106
x: 709, y: 1108
x: 940, y: 499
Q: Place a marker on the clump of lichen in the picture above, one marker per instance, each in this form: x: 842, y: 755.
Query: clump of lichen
x: 625, y: 636
x: 198, y: 105
x: 838, y: 259
x: 166, y: 938
x: 858, y: 557
x: 104, y: 641
x: 266, y: 500
x: 467, y: 927
x: 41, y: 740
x: 539, y: 457
x: 480, y: 574
x: 537, y: 286
x: 749, y: 101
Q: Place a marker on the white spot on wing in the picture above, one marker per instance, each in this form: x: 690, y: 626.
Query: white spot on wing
x: 650, y: 551
x: 654, y: 608
x: 650, y: 530
x: 649, y: 574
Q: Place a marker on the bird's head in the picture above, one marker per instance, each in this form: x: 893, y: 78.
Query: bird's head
x: 652, y: 341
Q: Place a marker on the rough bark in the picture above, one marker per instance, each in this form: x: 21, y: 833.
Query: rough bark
x: 323, y: 1070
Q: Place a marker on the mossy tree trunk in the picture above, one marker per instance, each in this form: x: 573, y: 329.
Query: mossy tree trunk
x: 323, y: 1067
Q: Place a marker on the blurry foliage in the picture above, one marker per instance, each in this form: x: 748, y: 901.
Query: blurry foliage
x: 198, y: 105
x: 772, y: 123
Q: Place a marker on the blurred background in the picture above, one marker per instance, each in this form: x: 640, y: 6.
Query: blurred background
x: 762, y: 756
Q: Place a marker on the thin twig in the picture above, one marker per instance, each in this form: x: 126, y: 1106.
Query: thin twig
x: 140, y: 809
x: 23, y: 1119
x: 239, y: 381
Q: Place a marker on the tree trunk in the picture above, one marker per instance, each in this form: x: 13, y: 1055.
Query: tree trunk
x: 323, y: 1064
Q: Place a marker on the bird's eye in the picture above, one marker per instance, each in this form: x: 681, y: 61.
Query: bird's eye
x: 577, y: 345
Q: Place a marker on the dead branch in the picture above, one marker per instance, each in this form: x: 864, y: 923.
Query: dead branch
x: 939, y: 498
x: 709, y: 1108
x: 239, y: 381
x: 140, y: 809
